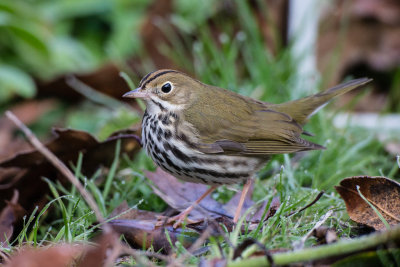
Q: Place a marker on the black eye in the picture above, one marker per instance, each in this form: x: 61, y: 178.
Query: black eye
x: 166, y: 88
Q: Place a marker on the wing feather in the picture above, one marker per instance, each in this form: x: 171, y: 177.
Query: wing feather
x: 243, y: 126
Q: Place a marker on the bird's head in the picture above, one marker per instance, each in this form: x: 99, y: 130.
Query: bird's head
x: 166, y: 90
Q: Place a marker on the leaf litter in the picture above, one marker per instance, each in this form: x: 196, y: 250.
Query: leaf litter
x: 380, y: 192
x: 143, y: 229
x: 29, y: 165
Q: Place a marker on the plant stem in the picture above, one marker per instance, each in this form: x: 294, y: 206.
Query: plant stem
x: 325, y: 251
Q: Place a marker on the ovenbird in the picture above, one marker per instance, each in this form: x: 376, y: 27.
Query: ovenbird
x: 205, y: 134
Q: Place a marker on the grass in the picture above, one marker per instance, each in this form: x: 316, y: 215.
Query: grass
x: 241, y: 63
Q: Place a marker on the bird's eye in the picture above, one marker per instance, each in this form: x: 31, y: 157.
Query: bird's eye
x: 166, y: 88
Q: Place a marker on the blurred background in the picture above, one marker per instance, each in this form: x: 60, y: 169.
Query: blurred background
x: 284, y: 48
x: 60, y: 64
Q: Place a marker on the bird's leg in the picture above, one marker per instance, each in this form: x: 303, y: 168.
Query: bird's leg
x: 178, y: 219
x: 246, y: 188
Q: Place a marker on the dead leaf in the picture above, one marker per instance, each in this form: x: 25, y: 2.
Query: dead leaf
x: 28, y: 112
x: 30, y: 166
x: 105, y: 79
x: 179, y: 195
x: 381, y: 192
x: 97, y: 255
x: 141, y: 231
x: 8, y: 217
x: 65, y: 254
x: 59, y: 255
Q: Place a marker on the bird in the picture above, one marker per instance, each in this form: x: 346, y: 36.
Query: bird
x: 205, y: 134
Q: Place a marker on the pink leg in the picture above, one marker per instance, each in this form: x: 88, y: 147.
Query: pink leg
x: 178, y: 219
x: 246, y: 188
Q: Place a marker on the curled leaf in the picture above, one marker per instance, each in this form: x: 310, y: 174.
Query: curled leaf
x: 381, y: 192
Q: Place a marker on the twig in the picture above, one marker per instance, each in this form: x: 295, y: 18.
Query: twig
x: 321, y: 252
x: 61, y: 167
x: 320, y: 194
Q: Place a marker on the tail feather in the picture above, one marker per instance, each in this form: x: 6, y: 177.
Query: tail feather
x: 302, y: 108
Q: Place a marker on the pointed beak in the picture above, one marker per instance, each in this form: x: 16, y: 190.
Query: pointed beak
x: 137, y: 93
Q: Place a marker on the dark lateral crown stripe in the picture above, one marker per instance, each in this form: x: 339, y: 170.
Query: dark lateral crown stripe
x: 148, y: 78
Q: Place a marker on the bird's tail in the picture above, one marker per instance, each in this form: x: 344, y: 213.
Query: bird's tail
x: 302, y: 108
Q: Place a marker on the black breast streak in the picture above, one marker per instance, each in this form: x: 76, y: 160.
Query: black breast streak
x: 178, y: 153
x: 165, y: 120
x: 160, y: 133
x: 167, y: 134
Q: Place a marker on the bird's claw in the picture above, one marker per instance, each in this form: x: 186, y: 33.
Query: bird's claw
x: 176, y: 220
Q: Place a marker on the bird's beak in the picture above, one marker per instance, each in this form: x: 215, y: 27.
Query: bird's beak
x: 137, y: 93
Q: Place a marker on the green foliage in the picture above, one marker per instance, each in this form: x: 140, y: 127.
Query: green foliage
x: 44, y: 39
x: 15, y: 81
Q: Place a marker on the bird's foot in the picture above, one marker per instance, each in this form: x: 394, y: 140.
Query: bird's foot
x: 177, y: 220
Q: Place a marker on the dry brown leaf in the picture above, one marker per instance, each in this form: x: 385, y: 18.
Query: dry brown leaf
x: 65, y: 254
x: 30, y: 166
x: 381, y: 192
x: 140, y: 230
x: 105, y: 79
x: 97, y: 255
x: 28, y: 112
x: 8, y: 217
x: 179, y: 195
x: 59, y: 255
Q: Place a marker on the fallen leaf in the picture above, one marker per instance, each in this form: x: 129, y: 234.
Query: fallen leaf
x: 66, y: 254
x: 30, y: 165
x: 381, y: 192
x: 142, y: 229
x: 97, y: 255
x: 59, y: 255
x: 28, y: 112
x: 105, y: 79
x: 143, y: 232
x: 179, y: 195
x: 8, y: 217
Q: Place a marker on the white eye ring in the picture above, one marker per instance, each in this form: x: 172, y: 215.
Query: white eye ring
x: 166, y: 87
